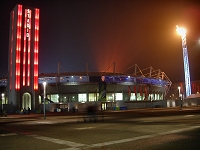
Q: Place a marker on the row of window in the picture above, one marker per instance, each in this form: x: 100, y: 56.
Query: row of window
x: 82, y: 97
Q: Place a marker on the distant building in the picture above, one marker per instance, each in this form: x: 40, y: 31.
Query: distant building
x: 178, y: 90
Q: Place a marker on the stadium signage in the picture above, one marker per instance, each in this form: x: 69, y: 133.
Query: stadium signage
x: 28, y: 17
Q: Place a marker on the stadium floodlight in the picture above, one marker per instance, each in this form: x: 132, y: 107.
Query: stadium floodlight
x: 182, y: 32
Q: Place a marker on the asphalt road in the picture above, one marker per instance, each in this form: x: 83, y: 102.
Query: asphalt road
x: 140, y: 129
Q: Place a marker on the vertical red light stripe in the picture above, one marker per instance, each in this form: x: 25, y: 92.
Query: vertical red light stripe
x: 18, y: 46
x: 24, y: 55
x: 29, y: 48
x: 16, y: 80
x: 11, y: 48
x: 20, y: 28
x: 36, y: 48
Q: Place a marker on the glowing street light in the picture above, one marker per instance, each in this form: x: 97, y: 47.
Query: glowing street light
x: 2, y: 97
x: 179, y: 91
x: 44, y: 100
x: 182, y: 32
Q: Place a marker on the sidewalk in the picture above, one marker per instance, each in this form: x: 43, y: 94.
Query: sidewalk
x: 51, y: 118
x: 47, y: 114
x: 107, y: 112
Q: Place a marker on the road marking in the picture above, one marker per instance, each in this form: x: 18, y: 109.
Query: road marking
x: 147, y: 121
x: 45, y: 122
x: 84, y: 128
x: 188, y: 115
x: 71, y: 148
x: 8, y: 134
x: 141, y: 137
x: 75, y: 146
x: 57, y: 141
x: 179, y: 130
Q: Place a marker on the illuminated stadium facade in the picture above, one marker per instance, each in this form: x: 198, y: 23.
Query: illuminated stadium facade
x: 85, y: 87
x: 120, y: 90
x: 141, y: 89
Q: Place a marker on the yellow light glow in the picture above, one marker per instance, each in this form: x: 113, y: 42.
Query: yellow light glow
x: 180, y: 31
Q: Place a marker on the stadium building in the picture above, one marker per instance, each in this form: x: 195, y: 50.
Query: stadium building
x: 112, y: 90
x: 64, y: 91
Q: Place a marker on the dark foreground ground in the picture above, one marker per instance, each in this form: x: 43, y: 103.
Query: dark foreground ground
x: 148, y: 129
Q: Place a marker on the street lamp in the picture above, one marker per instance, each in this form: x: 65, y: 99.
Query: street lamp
x: 179, y: 91
x: 180, y: 97
x: 182, y: 32
x: 44, y: 100
x: 2, y: 97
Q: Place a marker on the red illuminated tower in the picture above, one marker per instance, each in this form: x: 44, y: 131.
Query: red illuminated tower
x: 23, y: 56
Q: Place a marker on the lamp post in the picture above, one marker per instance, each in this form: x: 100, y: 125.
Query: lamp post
x: 180, y: 97
x: 2, y: 97
x: 179, y: 91
x: 44, y: 100
x: 182, y: 32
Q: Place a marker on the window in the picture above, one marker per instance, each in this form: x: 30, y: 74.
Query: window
x: 82, y: 97
x: 133, y: 97
x: 110, y: 97
x: 92, y: 97
x: 54, y: 98
x: 118, y: 96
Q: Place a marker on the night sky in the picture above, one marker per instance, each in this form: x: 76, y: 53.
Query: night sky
x: 100, y: 32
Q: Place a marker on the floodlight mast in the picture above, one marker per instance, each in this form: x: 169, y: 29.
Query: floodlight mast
x: 182, y: 32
